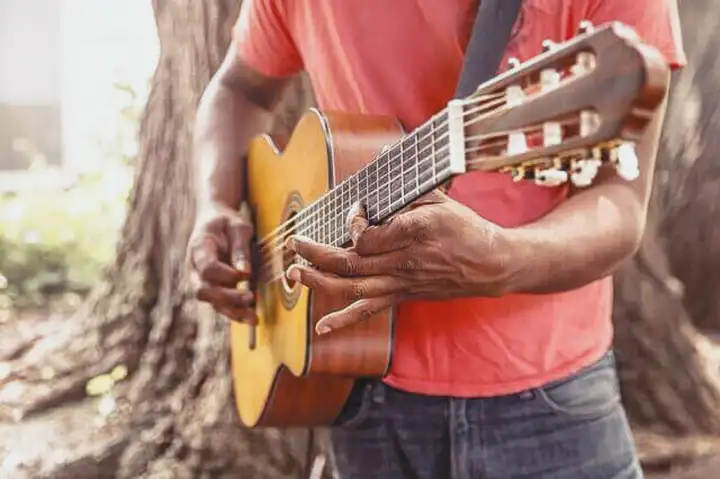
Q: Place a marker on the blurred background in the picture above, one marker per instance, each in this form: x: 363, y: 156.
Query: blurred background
x: 108, y: 369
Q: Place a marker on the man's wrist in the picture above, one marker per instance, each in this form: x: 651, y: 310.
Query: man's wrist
x: 518, y: 251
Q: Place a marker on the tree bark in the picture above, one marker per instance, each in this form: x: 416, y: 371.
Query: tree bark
x: 179, y: 415
x: 181, y: 393
x: 669, y: 381
x: 690, y: 173
x: 669, y: 374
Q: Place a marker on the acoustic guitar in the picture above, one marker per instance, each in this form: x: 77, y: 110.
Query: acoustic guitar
x: 559, y: 117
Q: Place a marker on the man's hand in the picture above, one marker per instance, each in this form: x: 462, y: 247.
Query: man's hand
x: 438, y: 249
x: 219, y: 258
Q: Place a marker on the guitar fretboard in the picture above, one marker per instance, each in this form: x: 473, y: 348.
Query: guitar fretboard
x: 399, y: 175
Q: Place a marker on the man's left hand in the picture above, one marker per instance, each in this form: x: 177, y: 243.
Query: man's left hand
x: 437, y: 249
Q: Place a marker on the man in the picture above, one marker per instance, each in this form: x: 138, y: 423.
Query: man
x: 502, y: 364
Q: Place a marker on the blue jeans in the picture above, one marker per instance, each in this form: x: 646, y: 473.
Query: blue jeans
x: 573, y: 428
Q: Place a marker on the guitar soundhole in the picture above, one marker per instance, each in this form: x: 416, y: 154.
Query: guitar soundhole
x: 290, y: 289
x: 289, y: 258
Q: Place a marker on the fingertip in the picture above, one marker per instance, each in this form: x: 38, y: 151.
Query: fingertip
x: 293, y: 273
x: 322, y: 327
x: 290, y: 243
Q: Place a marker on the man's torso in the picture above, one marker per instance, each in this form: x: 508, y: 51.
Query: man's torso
x: 403, y: 58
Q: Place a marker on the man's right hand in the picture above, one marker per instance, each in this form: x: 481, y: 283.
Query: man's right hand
x: 218, y: 258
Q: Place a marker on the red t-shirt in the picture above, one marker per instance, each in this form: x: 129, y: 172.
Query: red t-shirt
x: 403, y: 58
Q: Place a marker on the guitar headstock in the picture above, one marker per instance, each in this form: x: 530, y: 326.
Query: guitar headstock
x: 563, y: 114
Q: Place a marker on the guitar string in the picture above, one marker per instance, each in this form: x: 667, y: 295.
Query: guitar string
x: 267, y: 263
x: 281, y: 232
x: 392, y: 148
x: 332, y: 236
x: 273, y: 236
x: 417, y: 165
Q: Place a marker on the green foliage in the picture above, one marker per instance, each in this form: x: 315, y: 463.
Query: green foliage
x: 57, y: 240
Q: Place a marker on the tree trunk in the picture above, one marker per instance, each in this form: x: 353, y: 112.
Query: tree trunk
x: 179, y: 419
x: 669, y: 377
x: 668, y: 380
x: 691, y: 172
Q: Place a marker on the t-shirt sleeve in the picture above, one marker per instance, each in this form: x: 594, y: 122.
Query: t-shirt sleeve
x: 263, y: 39
x: 656, y: 21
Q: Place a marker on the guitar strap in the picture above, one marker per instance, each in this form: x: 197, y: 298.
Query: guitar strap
x: 490, y: 37
x: 486, y: 48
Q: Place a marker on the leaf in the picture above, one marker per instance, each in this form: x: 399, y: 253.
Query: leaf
x: 99, y: 385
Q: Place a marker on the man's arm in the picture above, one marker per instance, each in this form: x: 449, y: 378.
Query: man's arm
x: 235, y: 107
x: 589, y: 234
x: 443, y: 250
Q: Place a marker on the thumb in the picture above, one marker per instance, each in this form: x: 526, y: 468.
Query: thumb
x: 239, y: 230
x: 357, y: 222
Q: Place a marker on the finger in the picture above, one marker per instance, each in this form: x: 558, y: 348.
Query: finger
x: 331, y: 259
x: 349, y: 289
x: 348, y: 263
x: 358, y: 311
x: 207, y: 265
x: 239, y: 231
x: 221, y: 297
x: 357, y: 221
x: 399, y: 232
x: 316, y: 253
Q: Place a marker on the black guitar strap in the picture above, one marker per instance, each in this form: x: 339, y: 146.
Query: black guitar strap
x: 490, y: 37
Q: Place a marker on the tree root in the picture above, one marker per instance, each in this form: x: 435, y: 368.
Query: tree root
x: 660, y: 453
x: 55, y: 368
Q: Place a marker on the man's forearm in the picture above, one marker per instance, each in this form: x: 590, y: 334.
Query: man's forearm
x: 587, y: 236
x: 581, y: 241
x: 225, y: 124
x: 234, y: 108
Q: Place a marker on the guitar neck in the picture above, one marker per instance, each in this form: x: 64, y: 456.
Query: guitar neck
x: 400, y: 174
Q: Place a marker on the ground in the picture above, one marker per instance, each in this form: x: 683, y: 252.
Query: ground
x: 81, y: 439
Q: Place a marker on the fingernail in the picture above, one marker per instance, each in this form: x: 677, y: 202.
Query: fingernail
x: 290, y: 243
x: 322, y: 328
x: 293, y: 273
x: 240, y: 263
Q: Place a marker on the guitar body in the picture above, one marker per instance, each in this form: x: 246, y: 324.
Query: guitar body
x: 293, y: 377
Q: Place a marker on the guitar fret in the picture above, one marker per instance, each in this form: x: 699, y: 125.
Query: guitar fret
x: 433, y: 152
x: 323, y: 219
x: 402, y: 172
x: 373, y: 197
x: 396, y: 175
x: 399, y: 175
x: 339, y: 208
x: 383, y: 175
x: 408, y: 161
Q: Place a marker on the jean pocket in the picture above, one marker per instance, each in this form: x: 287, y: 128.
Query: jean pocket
x: 592, y: 392
x: 358, y: 405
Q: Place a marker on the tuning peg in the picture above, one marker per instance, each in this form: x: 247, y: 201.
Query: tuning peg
x: 550, y: 177
x: 583, y: 172
x: 520, y: 173
x: 589, y: 122
x: 547, y: 45
x: 517, y: 141
x: 513, y: 62
x: 625, y: 161
x: 585, y: 26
